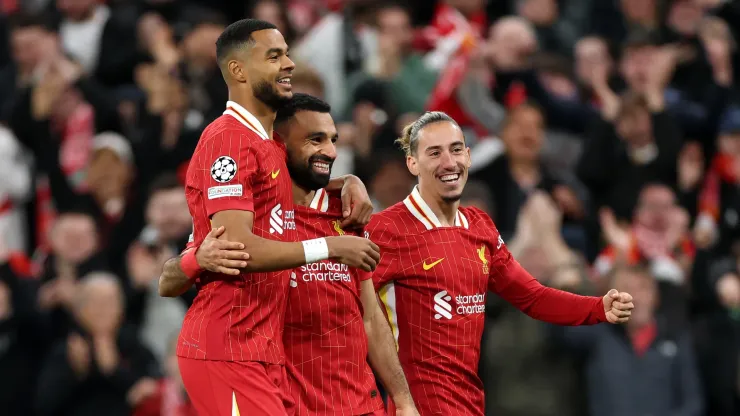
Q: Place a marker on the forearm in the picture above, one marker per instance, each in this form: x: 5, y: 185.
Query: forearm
x: 383, y: 357
x: 266, y: 255
x: 546, y: 304
x: 173, y: 281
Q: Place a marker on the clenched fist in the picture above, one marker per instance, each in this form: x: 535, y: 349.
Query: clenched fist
x: 618, y: 306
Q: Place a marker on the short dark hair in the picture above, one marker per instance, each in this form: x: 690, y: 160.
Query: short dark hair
x: 165, y: 182
x: 301, y: 102
x: 239, y: 34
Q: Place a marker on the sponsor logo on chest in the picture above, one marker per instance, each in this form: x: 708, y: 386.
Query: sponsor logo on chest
x: 445, y: 306
x: 281, y: 220
x: 323, y: 271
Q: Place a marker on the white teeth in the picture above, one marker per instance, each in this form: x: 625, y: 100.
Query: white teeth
x: 285, y: 81
x: 449, y: 178
x: 321, y: 166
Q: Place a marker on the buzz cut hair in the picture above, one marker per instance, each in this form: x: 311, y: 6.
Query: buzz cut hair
x: 301, y: 102
x: 409, y: 140
x: 238, y: 35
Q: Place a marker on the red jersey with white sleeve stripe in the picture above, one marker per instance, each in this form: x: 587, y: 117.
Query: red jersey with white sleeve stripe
x: 236, y: 166
x: 433, y: 282
x: 325, y: 341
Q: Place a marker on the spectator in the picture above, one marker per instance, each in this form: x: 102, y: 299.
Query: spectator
x: 520, y: 171
x: 645, y: 367
x: 100, y: 368
x: 99, y: 40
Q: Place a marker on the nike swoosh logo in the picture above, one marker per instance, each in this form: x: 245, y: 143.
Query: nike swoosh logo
x: 430, y: 265
x: 275, y: 174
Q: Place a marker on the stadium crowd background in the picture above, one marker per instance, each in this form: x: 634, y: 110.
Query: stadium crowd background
x: 602, y: 132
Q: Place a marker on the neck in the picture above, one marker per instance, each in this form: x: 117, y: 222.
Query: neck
x: 301, y: 196
x: 445, y: 211
x: 263, y: 113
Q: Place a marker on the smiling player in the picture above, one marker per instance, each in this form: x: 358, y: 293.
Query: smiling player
x: 439, y: 260
x: 230, y: 349
x: 333, y: 324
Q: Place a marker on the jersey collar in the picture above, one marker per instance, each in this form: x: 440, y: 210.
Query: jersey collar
x: 320, y: 201
x: 421, y: 211
x: 245, y: 117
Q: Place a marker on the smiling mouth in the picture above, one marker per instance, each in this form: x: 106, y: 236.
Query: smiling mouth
x: 284, y: 81
x: 321, y: 167
x: 449, y: 178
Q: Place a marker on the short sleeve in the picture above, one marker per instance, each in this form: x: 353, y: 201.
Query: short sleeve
x: 229, y: 164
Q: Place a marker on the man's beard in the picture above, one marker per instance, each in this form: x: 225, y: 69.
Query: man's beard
x: 265, y: 92
x: 304, y: 175
x: 452, y: 198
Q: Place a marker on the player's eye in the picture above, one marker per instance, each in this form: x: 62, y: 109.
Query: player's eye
x: 273, y: 57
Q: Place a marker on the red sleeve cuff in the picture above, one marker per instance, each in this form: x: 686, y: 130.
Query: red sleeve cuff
x: 599, y: 312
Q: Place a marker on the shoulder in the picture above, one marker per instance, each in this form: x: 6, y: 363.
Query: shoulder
x: 226, y: 128
x: 390, y: 223
x: 476, y: 217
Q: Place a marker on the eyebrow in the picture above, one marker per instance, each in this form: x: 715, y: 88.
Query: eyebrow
x: 321, y: 134
x: 279, y: 51
x: 457, y: 143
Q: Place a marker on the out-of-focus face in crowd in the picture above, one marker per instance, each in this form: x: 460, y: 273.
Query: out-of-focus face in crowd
x: 27, y: 46
x: 635, y: 66
x: 523, y: 133
x: 634, y: 124
x: 540, y: 12
x: 656, y: 208
x: 167, y: 211
x: 641, y: 11
x: 270, y: 11
x: 74, y: 237
x: 642, y: 286
x: 590, y: 53
x: 395, y: 23
x: 99, y: 306
x: 392, y: 183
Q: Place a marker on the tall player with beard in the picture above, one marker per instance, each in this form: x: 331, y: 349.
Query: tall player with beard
x: 230, y: 348
x: 333, y: 322
x: 439, y: 261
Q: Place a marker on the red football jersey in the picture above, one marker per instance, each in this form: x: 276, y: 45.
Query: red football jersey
x: 236, y: 166
x: 433, y: 282
x: 325, y: 340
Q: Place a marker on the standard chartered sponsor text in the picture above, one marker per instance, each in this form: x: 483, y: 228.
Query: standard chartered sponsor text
x: 325, y: 272
x: 470, y: 304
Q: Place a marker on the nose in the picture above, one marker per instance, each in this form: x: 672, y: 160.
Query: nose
x: 329, y: 150
x: 288, y: 64
x: 447, y: 161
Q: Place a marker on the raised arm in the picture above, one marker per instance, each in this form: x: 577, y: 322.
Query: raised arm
x: 382, y: 351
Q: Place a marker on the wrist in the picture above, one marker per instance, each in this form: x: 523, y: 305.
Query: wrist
x: 315, y: 250
x: 189, y: 264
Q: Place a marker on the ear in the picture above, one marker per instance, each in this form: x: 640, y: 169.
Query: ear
x: 412, y: 165
x: 236, y: 70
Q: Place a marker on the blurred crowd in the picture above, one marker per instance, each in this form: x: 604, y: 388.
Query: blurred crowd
x: 605, y: 139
